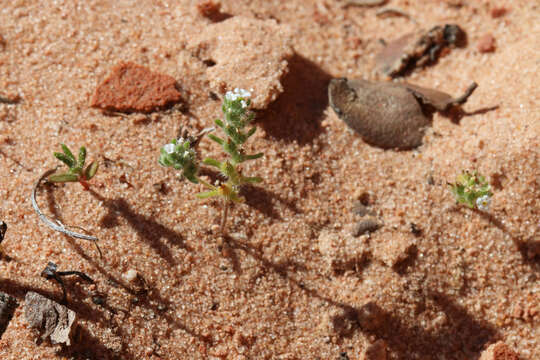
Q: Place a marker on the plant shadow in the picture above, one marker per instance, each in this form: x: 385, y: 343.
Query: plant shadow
x: 296, y: 114
x: 148, y: 229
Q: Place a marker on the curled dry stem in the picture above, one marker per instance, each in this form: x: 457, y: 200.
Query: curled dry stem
x: 57, y: 224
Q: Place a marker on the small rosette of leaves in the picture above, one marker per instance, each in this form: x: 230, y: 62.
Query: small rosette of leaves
x: 77, y: 171
x: 180, y: 155
x: 472, y: 189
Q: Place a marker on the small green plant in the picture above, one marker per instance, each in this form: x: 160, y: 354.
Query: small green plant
x: 77, y: 172
x: 473, y: 190
x: 181, y: 154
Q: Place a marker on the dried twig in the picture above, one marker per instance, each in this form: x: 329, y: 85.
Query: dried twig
x: 57, y: 224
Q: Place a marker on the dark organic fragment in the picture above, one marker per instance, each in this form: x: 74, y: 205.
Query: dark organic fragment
x: 50, y: 273
x: 3, y: 229
x: 387, y: 114
x: 7, y: 308
x: 365, y: 2
x: 134, y: 88
x: 51, y: 319
x: 417, y: 49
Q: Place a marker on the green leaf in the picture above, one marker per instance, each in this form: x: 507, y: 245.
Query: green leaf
x: 63, y: 178
x: 251, y: 132
x: 67, y: 152
x: 252, y: 180
x: 82, y: 156
x: 91, y: 170
x: 208, y: 194
x: 254, y: 156
x: 219, y: 123
x: 212, y: 162
x: 65, y: 159
x: 220, y: 141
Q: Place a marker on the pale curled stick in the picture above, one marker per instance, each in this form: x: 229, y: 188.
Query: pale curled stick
x: 58, y: 226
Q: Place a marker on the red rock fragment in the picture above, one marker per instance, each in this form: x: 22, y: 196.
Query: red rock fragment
x: 134, y: 88
x: 497, y: 12
x: 208, y: 8
x: 499, y: 351
x: 486, y: 43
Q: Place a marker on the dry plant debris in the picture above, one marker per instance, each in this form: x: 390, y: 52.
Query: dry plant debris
x: 51, y: 319
x: 135, y: 88
x: 365, y: 2
x: 256, y: 49
x: 417, y: 49
x: 387, y: 114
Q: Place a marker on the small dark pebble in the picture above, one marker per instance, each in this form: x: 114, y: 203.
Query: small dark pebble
x: 343, y: 356
x: 8, y: 304
x: 415, y: 230
x: 98, y: 300
x: 365, y: 226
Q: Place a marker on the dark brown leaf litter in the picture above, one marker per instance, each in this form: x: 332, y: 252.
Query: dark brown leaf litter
x: 7, y: 308
x: 134, y: 88
x: 418, y: 49
x: 51, y: 319
x: 386, y: 114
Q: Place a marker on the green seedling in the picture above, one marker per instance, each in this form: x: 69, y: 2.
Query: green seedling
x: 181, y: 153
x: 77, y: 172
x: 473, y: 190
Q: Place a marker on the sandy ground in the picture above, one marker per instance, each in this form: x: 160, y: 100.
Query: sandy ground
x: 268, y: 293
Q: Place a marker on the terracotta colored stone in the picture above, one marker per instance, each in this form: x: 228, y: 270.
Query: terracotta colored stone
x: 499, y: 351
x: 134, y: 88
x: 208, y: 8
x: 486, y: 43
x: 246, y: 53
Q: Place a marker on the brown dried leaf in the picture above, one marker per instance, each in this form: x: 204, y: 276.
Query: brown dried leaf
x: 49, y: 318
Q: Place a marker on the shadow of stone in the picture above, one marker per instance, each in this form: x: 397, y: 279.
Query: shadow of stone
x: 462, y: 337
x: 460, y: 333
x: 296, y: 114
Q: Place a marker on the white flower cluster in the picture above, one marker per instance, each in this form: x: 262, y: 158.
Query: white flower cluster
x: 236, y: 94
x: 483, y: 202
x: 171, y: 148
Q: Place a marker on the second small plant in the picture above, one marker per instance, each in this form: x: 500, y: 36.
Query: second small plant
x: 181, y: 153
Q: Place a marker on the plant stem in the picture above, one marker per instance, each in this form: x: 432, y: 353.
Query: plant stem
x: 224, y: 216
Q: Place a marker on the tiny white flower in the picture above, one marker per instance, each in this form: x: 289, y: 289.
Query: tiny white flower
x: 483, y: 202
x: 169, y: 148
x: 242, y: 93
x: 243, y: 103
